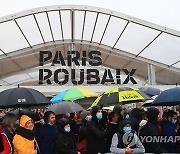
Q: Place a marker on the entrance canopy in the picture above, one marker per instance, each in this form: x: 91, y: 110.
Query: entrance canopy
x: 124, y: 42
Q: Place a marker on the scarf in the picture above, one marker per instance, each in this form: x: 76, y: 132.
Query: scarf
x: 26, y: 133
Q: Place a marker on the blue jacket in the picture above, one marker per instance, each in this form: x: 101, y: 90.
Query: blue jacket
x: 46, y: 139
x: 168, y: 129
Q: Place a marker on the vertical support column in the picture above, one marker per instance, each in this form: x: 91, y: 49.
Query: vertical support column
x: 71, y: 45
x: 151, y: 74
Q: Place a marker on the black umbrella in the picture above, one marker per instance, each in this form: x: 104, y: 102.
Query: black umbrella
x: 65, y: 107
x: 27, y: 112
x: 22, y: 97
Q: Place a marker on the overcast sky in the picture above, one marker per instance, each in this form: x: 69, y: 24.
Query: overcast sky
x: 163, y: 12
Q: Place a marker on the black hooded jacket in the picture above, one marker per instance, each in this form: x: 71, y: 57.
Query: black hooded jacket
x: 96, y: 134
x: 136, y: 117
x: 120, y: 133
x: 151, y: 129
x: 65, y: 143
x: 112, y: 128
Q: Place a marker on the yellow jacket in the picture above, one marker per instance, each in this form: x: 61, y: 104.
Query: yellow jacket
x: 21, y: 144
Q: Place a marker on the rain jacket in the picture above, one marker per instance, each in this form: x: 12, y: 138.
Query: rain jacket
x: 7, y: 138
x: 169, y: 130
x: 96, y: 134
x: 47, y: 135
x: 1, y: 144
x: 151, y: 129
x: 65, y: 142
x: 22, y: 145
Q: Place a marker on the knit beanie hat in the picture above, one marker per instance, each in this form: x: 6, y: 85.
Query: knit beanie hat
x: 83, y: 114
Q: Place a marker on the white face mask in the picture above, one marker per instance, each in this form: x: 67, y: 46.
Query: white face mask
x: 42, y: 121
x: 89, y: 117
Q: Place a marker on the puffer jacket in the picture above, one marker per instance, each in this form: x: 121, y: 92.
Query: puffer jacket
x: 24, y: 139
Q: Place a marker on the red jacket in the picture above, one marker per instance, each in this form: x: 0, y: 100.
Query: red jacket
x: 1, y: 146
x: 6, y: 144
x: 7, y: 148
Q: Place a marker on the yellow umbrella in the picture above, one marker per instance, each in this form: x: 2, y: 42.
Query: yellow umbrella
x: 120, y: 95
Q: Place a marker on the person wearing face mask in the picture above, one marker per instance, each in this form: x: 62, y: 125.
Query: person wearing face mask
x: 24, y: 139
x: 82, y: 137
x: 169, y: 130
x: 96, y: 133
x: 119, y: 145
x: 47, y: 133
x: 151, y: 129
x: 7, y: 133
x: 65, y: 142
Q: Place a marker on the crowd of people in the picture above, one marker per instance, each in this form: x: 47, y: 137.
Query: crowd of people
x: 94, y: 131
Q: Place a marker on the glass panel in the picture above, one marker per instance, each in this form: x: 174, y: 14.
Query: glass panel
x: 44, y: 26
x: 165, y: 49
x: 135, y: 38
x: 100, y: 27
x: 114, y: 29
x: 79, y: 18
x: 11, y: 38
x: 66, y: 24
x: 89, y: 25
x: 29, y: 30
x: 55, y: 24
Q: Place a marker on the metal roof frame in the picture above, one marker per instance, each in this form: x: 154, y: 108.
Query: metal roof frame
x: 98, y: 45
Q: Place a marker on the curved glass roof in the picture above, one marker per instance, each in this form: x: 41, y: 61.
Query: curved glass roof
x: 125, y: 41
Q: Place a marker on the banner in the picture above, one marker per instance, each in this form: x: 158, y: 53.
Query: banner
x: 92, y: 75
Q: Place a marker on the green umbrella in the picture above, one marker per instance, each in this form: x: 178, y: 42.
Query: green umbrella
x: 73, y: 94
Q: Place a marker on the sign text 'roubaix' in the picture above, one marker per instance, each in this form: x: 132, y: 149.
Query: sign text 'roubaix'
x: 73, y: 59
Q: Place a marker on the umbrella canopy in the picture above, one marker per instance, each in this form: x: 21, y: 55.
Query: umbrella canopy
x: 120, y: 95
x: 150, y: 91
x: 73, y: 94
x: 149, y: 102
x: 65, y: 107
x: 169, y: 97
x: 27, y: 112
x: 22, y: 97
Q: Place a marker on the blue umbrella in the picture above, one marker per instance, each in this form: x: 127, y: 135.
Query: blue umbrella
x: 169, y: 97
x: 150, y: 91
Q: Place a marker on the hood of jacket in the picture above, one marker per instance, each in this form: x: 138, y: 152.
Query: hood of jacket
x: 61, y: 123
x: 123, y: 123
x: 23, y: 120
x: 46, y: 116
x: 152, y: 114
x: 94, y: 112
